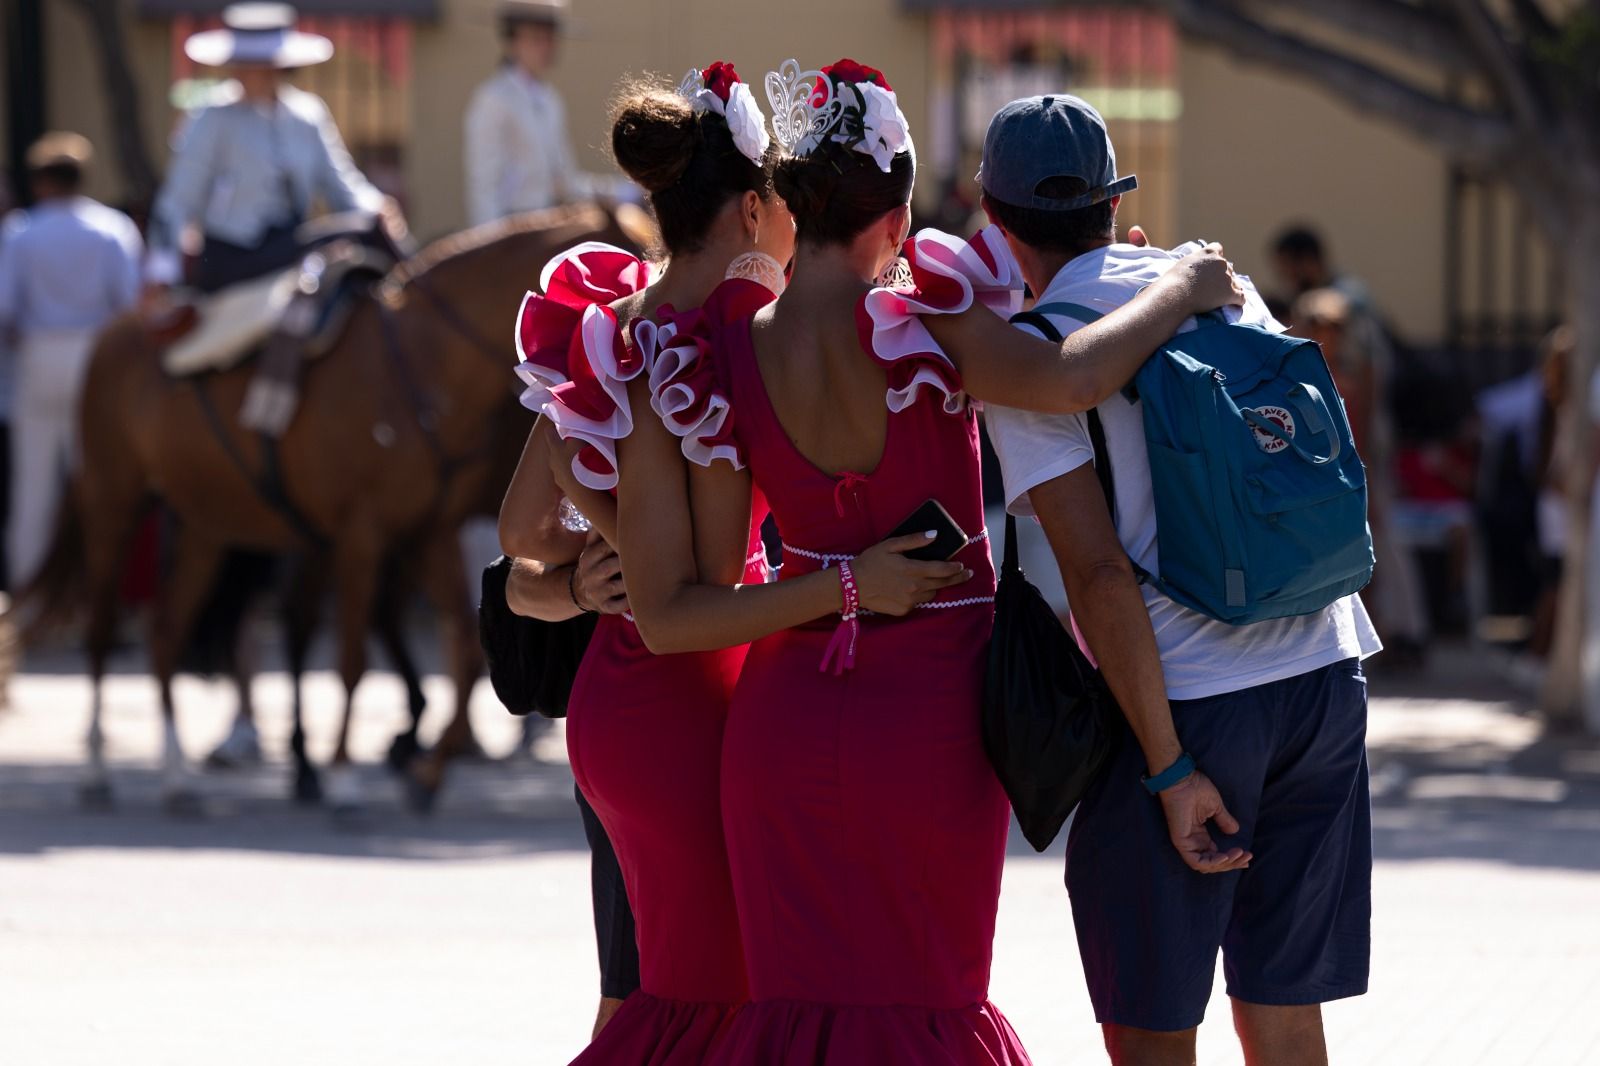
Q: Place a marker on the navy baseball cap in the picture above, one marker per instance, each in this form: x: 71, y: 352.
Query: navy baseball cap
x: 1041, y: 137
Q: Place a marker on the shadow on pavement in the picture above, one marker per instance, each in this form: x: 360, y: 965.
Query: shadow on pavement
x: 487, y: 810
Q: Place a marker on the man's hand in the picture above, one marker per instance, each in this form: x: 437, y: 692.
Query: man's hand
x: 599, y: 586
x: 1189, y: 805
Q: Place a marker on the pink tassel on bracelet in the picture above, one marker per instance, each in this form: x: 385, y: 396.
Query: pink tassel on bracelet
x: 841, y: 647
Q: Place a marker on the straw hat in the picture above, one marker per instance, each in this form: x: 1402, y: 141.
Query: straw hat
x: 258, y: 35
x: 59, y: 149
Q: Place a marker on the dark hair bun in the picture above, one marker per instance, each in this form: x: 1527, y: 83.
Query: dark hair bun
x: 654, y: 136
x: 804, y: 186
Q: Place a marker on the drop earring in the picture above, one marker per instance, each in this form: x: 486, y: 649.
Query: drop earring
x: 896, y: 274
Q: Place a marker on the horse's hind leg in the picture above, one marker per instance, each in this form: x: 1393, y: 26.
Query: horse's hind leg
x: 356, y: 564
x: 242, y: 745
x: 301, y: 610
x: 389, y: 622
x: 444, y: 578
x: 195, y: 567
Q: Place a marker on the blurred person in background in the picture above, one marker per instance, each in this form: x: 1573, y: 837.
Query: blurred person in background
x: 1335, y: 310
x: 1555, y: 353
x: 68, y: 265
x: 8, y: 369
x: 248, y: 168
x: 518, y: 155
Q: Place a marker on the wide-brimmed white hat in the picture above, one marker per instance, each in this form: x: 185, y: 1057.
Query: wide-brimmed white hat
x: 259, y: 35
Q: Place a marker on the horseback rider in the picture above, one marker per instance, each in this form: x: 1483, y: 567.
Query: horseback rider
x: 244, y: 177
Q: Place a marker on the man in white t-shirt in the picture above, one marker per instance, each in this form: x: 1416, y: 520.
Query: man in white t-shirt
x: 1257, y: 731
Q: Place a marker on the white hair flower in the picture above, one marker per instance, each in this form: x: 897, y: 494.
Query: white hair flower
x: 747, y: 124
x: 885, y: 132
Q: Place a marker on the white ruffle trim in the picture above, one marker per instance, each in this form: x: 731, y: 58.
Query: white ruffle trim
x: 697, y: 421
x: 981, y: 271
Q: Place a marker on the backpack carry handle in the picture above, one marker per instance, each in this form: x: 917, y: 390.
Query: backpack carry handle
x: 1307, y: 400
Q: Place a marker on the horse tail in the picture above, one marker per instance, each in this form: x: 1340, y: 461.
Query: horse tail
x: 50, y: 599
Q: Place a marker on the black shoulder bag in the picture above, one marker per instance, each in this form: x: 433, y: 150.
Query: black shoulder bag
x: 1047, y: 713
x: 532, y: 664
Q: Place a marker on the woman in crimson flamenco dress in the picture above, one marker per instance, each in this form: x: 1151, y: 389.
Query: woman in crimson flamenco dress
x: 644, y: 732
x: 865, y: 828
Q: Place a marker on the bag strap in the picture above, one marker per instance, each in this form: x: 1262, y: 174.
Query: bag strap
x: 1083, y: 314
x: 1097, y: 433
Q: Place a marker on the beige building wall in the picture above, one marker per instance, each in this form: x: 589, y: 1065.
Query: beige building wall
x: 1257, y: 151
x: 76, y: 95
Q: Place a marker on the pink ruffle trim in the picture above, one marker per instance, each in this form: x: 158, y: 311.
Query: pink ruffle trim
x: 650, y: 1031
x: 573, y: 358
x: 687, y: 387
x: 789, y: 1033
x: 950, y: 275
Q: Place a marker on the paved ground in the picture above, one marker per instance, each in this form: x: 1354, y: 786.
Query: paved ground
x: 265, y: 934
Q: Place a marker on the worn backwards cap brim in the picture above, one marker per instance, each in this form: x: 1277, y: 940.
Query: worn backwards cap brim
x: 1124, y: 184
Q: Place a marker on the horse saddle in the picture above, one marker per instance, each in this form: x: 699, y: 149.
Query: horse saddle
x: 310, y: 303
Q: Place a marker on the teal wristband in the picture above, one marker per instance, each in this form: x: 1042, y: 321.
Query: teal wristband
x: 1170, y: 776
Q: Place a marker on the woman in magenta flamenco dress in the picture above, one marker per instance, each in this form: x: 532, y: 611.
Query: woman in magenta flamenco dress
x: 644, y: 732
x: 865, y: 828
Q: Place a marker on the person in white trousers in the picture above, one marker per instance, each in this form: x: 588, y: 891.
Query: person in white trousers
x: 68, y: 265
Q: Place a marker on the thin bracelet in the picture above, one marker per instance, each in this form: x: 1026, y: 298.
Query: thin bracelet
x: 572, y: 589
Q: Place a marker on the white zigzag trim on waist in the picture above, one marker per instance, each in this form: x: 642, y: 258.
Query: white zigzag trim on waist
x: 827, y: 559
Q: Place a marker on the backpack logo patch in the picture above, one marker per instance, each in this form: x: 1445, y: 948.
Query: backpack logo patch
x: 1278, y: 417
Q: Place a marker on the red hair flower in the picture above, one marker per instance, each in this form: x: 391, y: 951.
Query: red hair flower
x: 720, y: 78
x: 848, y: 70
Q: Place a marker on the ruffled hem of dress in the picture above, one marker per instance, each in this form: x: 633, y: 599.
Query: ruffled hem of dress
x: 651, y: 1031
x: 949, y: 276
x: 794, y: 1033
x: 688, y: 389
x: 573, y: 360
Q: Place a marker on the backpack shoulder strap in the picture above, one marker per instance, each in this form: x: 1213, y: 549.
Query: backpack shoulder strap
x: 1083, y: 314
x: 1097, y: 433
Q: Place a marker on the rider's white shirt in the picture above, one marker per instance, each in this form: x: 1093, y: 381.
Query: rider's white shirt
x: 241, y: 169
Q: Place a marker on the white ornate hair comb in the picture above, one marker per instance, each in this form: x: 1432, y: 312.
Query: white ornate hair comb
x: 809, y: 108
x: 804, y: 107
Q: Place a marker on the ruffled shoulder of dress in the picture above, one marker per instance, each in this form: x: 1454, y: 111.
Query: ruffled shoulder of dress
x: 948, y: 276
x: 688, y: 381
x: 573, y: 358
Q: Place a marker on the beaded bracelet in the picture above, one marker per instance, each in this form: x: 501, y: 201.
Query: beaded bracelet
x: 841, y: 647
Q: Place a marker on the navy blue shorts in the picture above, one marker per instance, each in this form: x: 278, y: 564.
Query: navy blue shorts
x: 1289, y: 759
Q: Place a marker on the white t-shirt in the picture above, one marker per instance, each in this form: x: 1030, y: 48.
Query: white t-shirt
x: 1199, y: 655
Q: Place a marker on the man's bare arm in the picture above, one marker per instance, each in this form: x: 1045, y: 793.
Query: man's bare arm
x: 1110, y: 610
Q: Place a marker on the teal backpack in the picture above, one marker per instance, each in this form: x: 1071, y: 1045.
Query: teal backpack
x: 1260, y: 497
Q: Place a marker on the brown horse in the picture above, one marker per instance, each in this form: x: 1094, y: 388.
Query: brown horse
x: 393, y: 446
